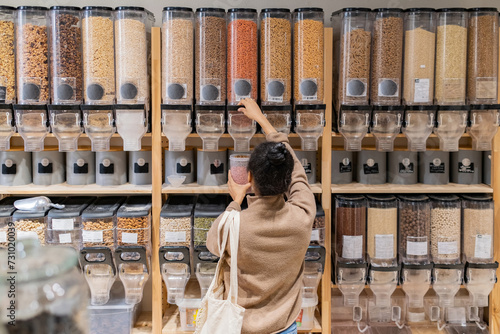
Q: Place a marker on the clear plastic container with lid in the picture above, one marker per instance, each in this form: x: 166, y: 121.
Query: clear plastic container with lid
x: 478, y: 224
x: 177, y: 55
x: 176, y: 125
x: 387, y: 57
x: 484, y: 121
x: 64, y: 225
x: 131, y: 51
x: 280, y: 116
x: 419, y: 122
x: 206, y: 211
x: 32, y: 125
x: 451, y: 56
x: 131, y: 124
x: 350, y: 228
x: 308, y: 54
x: 7, y: 55
x: 241, y: 128
x: 66, y: 125
x: 482, y: 62
x: 98, y: 55
x: 445, y: 229
x: 450, y: 126
x: 275, y: 56
x: 7, y: 128
x: 176, y: 221
x: 6, y: 210
x: 133, y: 222
x: 386, y: 125
x: 353, y: 123
x: 419, y: 56
x: 210, y: 56
x: 414, y: 229
x: 309, y: 124
x: 242, y: 54
x: 354, y: 26
x: 99, y: 126
x: 382, y: 230
x: 210, y: 125
x: 66, y: 72
x: 32, y: 55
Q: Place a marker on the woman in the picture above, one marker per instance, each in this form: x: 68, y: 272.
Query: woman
x: 274, y: 232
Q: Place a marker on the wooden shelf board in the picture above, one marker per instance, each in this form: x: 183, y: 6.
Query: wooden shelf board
x: 357, y: 188
x: 194, y: 188
x: 65, y: 189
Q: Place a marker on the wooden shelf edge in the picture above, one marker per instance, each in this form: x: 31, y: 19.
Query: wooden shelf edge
x: 357, y: 188
x: 65, y: 189
x: 194, y: 188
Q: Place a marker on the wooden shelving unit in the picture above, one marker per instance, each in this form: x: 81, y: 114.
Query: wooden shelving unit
x: 194, y: 188
x: 452, y: 188
x: 65, y: 189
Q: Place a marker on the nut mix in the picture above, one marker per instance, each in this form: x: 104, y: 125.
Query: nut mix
x: 132, y: 230
x: 31, y: 225
x: 101, y: 233
x: 175, y: 231
x: 7, y: 60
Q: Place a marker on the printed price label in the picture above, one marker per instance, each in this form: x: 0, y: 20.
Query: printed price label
x: 482, y: 249
x: 422, y: 90
x: 175, y: 237
x: 315, y: 235
x: 26, y: 235
x: 3, y: 236
x: 384, y: 246
x: 92, y: 236
x: 63, y: 224
x: 447, y: 248
x: 129, y: 238
x: 65, y: 238
x: 416, y: 248
x: 352, y: 247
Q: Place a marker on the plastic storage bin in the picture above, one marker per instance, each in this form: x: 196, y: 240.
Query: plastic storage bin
x: 32, y: 55
x: 115, y: 316
x: 382, y: 230
x: 451, y: 56
x: 402, y: 167
x: 308, y: 54
x: 207, y: 209
x: 372, y: 167
x: 482, y: 62
x: 354, y: 26
x: 275, y: 56
x: 98, y: 55
x: 8, y: 56
x: 65, y: 122
x: 350, y: 227
x: 414, y: 229
x: 419, y: 56
x: 111, y: 168
x: 305, y: 319
x: 16, y: 168
x: 80, y: 168
x: 66, y: 72
x: 387, y: 57
x: 6, y: 210
x: 434, y: 167
x: 7, y: 128
x: 211, y: 167
x: 466, y: 167
x: 48, y: 168
x: 31, y: 123
x: 210, y: 56
x: 177, y: 55
x: 140, y: 168
x: 180, y: 163
x: 133, y: 222
x: 342, y: 167
x: 64, y: 225
x: 242, y: 54
x: 188, y: 309
x: 478, y: 225
x: 99, y: 126
x: 176, y: 221
x: 445, y: 229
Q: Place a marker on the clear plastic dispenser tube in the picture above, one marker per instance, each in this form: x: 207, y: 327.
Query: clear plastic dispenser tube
x: 309, y: 124
x: 418, y: 125
x: 386, y: 125
x: 99, y: 125
x: 131, y: 125
x: 99, y: 271
x: 353, y: 123
x: 31, y: 121
x: 484, y: 122
x: 175, y: 270
x: 177, y: 125
x: 7, y: 128
x: 65, y: 121
x: 451, y: 122
x: 210, y: 125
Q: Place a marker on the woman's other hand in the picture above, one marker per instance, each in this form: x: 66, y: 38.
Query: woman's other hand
x: 237, y: 191
x: 251, y: 110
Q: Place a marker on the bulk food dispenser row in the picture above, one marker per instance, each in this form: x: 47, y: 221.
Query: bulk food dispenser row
x: 417, y: 242
x: 76, y: 69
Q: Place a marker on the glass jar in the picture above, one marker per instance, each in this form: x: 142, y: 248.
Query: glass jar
x: 177, y: 55
x: 66, y: 55
x: 210, y: 56
x: 450, y: 126
x: 7, y: 55
x: 280, y: 117
x: 176, y: 221
x: 32, y: 51
x: 242, y: 54
x: 419, y: 56
x: 353, y: 123
x: 350, y: 228
x: 382, y: 230
x: 414, y: 229
x: 451, y: 56
x: 484, y: 121
x: 50, y: 295
x: 210, y: 125
x: 66, y: 125
x: 99, y: 126
x: 445, y: 229
x: 386, y: 125
x: 7, y: 128
x: 309, y: 124
x: 131, y: 52
x: 308, y: 54
x: 7, y: 229
x: 482, y: 64
x: 275, y: 56
x: 419, y: 122
x: 387, y: 57
x: 354, y: 55
x: 32, y: 125
x: 98, y: 55
x: 478, y: 222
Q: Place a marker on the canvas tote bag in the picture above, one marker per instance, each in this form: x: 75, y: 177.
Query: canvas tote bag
x: 217, y: 315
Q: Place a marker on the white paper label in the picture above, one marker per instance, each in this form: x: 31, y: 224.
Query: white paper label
x: 65, y: 238
x: 352, y: 247
x: 129, y: 238
x: 416, y: 248
x: 175, y: 237
x: 315, y: 235
x: 3, y: 236
x: 447, y: 248
x: 92, y: 236
x: 26, y: 235
x: 63, y: 224
x: 483, y: 246
x: 422, y: 90
x: 384, y: 246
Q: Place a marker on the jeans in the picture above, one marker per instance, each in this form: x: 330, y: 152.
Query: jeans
x: 290, y: 330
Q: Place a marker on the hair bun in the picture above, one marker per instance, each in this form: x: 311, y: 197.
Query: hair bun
x: 277, y: 154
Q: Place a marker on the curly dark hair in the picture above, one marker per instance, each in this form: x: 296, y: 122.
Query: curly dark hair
x: 271, y: 165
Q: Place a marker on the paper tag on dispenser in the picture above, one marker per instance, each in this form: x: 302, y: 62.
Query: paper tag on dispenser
x: 447, y: 247
x: 416, y: 248
x: 384, y: 246
x: 422, y: 90
x: 129, y: 238
x: 65, y: 238
x: 352, y: 247
x: 482, y: 249
x: 3, y: 236
x: 92, y: 236
x: 314, y: 235
x: 62, y: 224
x: 175, y: 236
x: 26, y: 235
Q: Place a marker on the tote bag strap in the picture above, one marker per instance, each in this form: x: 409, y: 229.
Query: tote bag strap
x: 234, y: 244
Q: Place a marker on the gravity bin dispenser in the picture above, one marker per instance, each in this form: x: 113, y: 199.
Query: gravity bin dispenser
x: 451, y: 122
x: 446, y: 282
x: 385, y: 126
x: 210, y: 125
x: 280, y: 116
x: 313, y: 270
x: 484, y: 120
x: 241, y: 128
x: 177, y: 125
x: 99, y: 272
x: 131, y: 124
x: 7, y: 128
x: 205, y: 264
x: 418, y: 125
x: 99, y: 124
x: 309, y: 123
x: 32, y: 125
x: 353, y: 123
x: 66, y: 125
x: 175, y: 270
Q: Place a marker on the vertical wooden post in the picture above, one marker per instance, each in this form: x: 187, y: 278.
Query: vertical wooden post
x: 326, y: 182
x: 157, y: 175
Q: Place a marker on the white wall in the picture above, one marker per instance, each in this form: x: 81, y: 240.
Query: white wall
x: 329, y: 6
